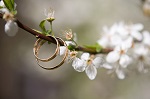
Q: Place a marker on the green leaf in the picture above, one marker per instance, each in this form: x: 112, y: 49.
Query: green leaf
x: 9, y: 4
x: 95, y: 47
x: 90, y: 46
x: 42, y: 26
x: 71, y: 47
x: 98, y: 47
x: 13, y: 3
x: 14, y: 12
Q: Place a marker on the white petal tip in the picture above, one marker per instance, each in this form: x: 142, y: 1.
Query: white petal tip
x: 11, y: 28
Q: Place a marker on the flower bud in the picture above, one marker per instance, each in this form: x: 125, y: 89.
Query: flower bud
x: 11, y: 28
x: 49, y: 14
x: 68, y: 34
x: 146, y: 7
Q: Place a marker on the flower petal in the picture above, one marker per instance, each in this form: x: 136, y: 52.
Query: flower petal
x: 120, y: 74
x: 78, y: 65
x: 11, y: 28
x: 141, y: 67
x: 141, y: 50
x: 62, y: 50
x: 128, y: 43
x: 70, y: 43
x: 91, y: 72
x: 4, y: 10
x: 113, y: 29
x: 118, y: 48
x: 137, y: 35
x: 98, y: 61
x: 75, y: 37
x: 107, y: 66
x: 115, y: 40
x: 125, y: 60
x: 138, y: 27
x: 85, y: 56
x: 112, y: 57
x: 104, y: 41
x: 146, y: 38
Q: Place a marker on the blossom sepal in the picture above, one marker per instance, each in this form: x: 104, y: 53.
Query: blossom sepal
x: 50, y: 19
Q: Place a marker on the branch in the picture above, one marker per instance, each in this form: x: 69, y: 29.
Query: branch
x: 50, y: 39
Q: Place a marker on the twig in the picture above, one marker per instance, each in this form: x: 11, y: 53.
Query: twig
x: 50, y: 39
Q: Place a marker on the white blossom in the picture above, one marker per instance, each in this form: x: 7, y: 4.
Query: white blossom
x: 49, y: 13
x: 119, y: 55
x: 68, y: 34
x: 115, y: 68
x: 72, y: 57
x: 11, y: 27
x: 133, y: 30
x: 90, y: 65
x: 143, y: 58
x: 118, y: 60
x: 110, y: 37
x: 76, y: 62
x: 78, y: 65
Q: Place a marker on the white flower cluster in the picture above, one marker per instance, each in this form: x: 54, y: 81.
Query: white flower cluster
x: 11, y: 27
x: 88, y: 63
x: 131, y: 47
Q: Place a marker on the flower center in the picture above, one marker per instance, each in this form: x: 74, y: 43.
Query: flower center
x: 141, y: 58
x: 122, y: 52
x: 8, y: 16
x: 68, y: 36
x: 73, y: 54
x: 89, y: 61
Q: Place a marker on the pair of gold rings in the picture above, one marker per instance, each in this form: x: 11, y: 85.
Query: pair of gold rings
x: 38, y: 44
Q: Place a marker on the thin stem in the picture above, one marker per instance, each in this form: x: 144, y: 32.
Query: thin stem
x: 51, y: 27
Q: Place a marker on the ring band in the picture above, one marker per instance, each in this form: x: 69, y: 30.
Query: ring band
x: 63, y: 60
x: 38, y: 45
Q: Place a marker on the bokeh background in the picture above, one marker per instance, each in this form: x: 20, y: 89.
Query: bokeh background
x: 20, y: 76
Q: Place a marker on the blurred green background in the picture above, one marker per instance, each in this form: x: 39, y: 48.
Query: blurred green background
x: 20, y: 76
